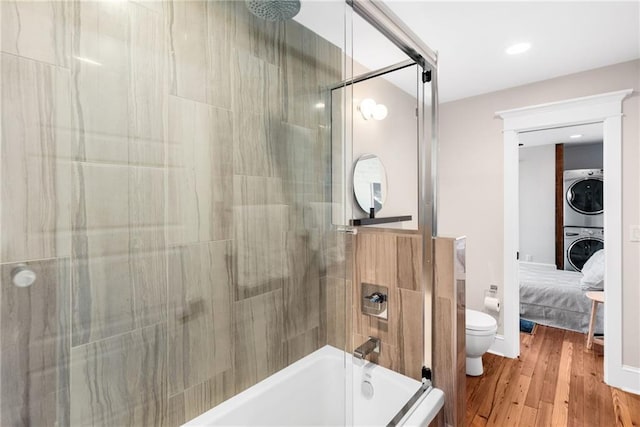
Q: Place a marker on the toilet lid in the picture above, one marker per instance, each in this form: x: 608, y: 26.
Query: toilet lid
x: 478, y: 321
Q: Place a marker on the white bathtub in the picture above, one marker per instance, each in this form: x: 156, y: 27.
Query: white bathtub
x: 312, y: 392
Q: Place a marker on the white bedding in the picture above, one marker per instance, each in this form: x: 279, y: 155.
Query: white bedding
x: 555, y: 298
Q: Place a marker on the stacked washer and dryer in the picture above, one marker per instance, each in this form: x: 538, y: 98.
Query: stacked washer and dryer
x: 583, y: 216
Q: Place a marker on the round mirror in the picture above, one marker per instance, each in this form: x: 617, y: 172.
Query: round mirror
x: 369, y: 183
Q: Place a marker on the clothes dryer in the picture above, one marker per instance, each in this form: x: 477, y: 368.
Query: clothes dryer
x: 584, y: 198
x: 579, y: 244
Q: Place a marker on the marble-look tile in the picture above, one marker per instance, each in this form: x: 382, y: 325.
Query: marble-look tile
x: 409, y: 262
x: 35, y: 339
x: 258, y: 327
x: 187, y: 26
x: 36, y: 30
x: 100, y: 89
x: 257, y: 191
x: 328, y: 66
x: 302, y: 345
x: 377, y: 259
x: 121, y: 381
x: 301, y: 91
x: 119, y: 251
x: 301, y: 289
x: 336, y: 316
x: 200, y: 314
x: 256, y: 85
x: 259, y: 37
x: 200, y: 50
x: 200, y: 171
x: 35, y: 171
x: 303, y: 170
x: 100, y: 115
x: 206, y: 395
x: 254, y: 148
x: 411, y: 338
x: 157, y: 6
x: 295, y: 154
x: 392, y: 259
x: 100, y: 35
x: 258, y: 249
x: 299, y: 198
x: 376, y: 263
x: 175, y: 411
x: 336, y: 254
x: 120, y: 83
x: 103, y: 295
x: 148, y: 88
x: 147, y: 244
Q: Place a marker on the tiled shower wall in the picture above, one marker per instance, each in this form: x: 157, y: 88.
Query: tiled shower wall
x: 165, y: 172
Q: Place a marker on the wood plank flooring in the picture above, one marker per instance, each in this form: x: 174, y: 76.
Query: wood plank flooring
x: 555, y: 382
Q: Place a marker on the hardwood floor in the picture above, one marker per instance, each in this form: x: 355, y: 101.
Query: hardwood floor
x: 555, y: 382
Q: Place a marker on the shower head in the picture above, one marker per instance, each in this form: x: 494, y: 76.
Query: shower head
x: 274, y: 10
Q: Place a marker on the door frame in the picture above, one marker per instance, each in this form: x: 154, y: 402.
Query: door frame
x: 604, y: 108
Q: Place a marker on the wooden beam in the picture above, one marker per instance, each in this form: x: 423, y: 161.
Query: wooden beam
x: 559, y: 207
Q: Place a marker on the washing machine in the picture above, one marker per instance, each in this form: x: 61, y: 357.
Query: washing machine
x: 579, y: 244
x: 584, y: 201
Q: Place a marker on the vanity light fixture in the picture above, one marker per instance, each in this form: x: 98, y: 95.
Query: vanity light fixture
x: 518, y: 48
x: 372, y: 110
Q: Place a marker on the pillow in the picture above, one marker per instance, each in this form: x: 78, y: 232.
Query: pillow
x: 593, y: 272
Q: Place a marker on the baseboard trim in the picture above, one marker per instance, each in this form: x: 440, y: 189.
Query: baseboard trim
x: 629, y: 381
x: 498, y: 347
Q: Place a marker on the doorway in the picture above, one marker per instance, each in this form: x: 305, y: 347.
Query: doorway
x: 606, y: 109
x: 561, y: 218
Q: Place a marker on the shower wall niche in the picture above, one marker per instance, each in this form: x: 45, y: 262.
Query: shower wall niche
x: 165, y: 172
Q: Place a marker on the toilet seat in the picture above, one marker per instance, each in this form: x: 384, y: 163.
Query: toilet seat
x: 478, y: 323
x: 472, y: 333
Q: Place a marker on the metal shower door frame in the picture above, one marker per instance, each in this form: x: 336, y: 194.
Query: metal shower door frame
x: 376, y: 13
x: 395, y: 30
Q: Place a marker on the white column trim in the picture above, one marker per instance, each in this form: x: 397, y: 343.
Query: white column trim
x: 511, y: 294
x: 607, y: 109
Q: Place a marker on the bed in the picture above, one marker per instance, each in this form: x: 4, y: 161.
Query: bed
x: 555, y: 298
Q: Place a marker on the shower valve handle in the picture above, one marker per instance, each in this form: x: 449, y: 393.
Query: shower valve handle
x: 376, y: 297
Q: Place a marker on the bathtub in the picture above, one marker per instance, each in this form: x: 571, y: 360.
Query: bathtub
x: 313, y: 392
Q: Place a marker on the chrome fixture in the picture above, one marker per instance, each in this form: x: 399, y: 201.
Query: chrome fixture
x: 372, y: 345
x: 425, y: 387
x: 274, y: 10
x: 22, y: 276
x: 375, y: 300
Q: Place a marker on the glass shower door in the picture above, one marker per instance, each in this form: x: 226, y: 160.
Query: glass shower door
x: 166, y: 240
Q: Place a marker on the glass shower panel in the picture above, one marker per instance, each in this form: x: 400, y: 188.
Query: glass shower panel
x: 165, y: 215
x: 395, y: 257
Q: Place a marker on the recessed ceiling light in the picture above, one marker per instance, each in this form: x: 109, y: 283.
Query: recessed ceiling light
x: 576, y: 136
x: 518, y: 48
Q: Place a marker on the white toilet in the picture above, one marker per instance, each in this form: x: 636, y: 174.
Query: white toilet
x: 481, y: 331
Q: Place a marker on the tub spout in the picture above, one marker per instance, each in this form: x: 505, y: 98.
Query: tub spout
x: 372, y: 345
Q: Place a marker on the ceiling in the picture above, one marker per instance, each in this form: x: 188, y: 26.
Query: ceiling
x: 591, y: 133
x: 471, y: 38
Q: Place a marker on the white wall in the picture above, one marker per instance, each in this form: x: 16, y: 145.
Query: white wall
x: 471, y: 180
x: 395, y: 141
x: 583, y: 156
x: 537, y: 203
